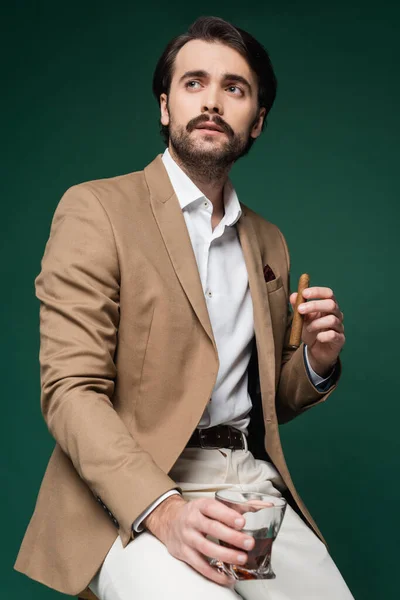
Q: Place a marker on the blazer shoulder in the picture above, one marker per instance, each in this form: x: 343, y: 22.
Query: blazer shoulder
x: 118, y: 197
x: 107, y: 189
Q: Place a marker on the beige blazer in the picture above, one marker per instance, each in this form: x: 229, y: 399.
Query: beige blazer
x: 128, y: 363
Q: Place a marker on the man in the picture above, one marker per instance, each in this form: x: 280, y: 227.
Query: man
x: 165, y: 357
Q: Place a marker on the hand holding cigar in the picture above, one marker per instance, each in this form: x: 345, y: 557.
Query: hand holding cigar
x: 297, y: 323
x: 318, y: 323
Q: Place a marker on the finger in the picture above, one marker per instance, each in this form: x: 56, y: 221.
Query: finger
x: 195, y: 560
x: 311, y: 317
x: 211, y: 549
x: 323, y: 306
x: 319, y: 292
x: 226, y: 534
x: 331, y: 337
x: 328, y: 322
x: 216, y: 510
x: 293, y: 298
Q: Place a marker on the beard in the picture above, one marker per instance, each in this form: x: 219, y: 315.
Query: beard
x: 212, y: 162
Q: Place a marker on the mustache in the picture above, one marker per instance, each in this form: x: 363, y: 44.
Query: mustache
x: 193, y: 123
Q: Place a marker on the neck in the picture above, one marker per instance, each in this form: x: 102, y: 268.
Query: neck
x: 210, y: 182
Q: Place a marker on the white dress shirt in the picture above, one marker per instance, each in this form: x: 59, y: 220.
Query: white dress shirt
x: 225, y: 285
x: 224, y: 279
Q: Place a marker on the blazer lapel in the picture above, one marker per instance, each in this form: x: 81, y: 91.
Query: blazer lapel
x: 171, y: 222
x: 262, y: 317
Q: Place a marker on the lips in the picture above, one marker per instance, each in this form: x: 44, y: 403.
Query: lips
x: 210, y: 127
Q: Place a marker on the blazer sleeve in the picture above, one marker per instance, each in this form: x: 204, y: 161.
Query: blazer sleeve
x: 296, y: 393
x: 78, y: 288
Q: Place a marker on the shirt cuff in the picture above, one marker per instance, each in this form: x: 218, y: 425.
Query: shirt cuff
x: 137, y: 524
x: 316, y: 379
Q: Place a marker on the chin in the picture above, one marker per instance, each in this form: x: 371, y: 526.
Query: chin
x: 209, y: 141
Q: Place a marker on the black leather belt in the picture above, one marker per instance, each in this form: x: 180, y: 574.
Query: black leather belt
x: 220, y: 436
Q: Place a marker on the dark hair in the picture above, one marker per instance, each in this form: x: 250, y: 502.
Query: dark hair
x: 214, y: 29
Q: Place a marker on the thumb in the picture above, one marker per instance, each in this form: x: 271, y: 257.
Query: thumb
x: 293, y: 298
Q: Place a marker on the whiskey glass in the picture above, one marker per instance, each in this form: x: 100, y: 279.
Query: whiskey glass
x: 263, y: 514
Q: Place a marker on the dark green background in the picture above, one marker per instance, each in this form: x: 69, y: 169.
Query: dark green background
x: 77, y: 105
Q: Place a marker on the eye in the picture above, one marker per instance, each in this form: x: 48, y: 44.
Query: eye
x: 235, y: 90
x: 192, y: 84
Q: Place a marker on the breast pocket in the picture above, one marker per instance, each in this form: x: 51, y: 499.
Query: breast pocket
x: 274, y: 285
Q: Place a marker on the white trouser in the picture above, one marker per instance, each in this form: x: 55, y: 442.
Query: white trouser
x: 144, y: 569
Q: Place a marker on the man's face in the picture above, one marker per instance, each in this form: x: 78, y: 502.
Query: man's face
x: 212, y: 108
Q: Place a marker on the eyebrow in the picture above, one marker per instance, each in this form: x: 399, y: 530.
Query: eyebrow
x: 226, y: 77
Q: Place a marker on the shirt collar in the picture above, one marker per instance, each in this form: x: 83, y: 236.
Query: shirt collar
x: 187, y: 192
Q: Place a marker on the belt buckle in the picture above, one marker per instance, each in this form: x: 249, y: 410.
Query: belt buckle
x: 241, y: 436
x: 207, y: 446
x: 201, y: 437
x: 228, y: 444
x: 230, y: 438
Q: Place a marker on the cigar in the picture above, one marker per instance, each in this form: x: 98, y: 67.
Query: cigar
x: 297, y: 323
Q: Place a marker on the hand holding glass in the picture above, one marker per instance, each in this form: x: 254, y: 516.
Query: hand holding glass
x: 263, y: 516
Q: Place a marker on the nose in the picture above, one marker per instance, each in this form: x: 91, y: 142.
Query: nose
x: 212, y: 102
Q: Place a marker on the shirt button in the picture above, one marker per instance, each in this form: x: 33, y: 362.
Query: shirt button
x: 209, y: 293
x: 206, y: 204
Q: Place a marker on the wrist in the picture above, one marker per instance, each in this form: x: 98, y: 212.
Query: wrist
x: 321, y: 369
x: 157, y: 521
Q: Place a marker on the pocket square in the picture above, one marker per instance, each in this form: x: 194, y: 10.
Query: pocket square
x: 269, y: 275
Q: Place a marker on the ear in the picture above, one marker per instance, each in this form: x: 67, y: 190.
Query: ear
x: 164, y: 109
x: 257, y: 127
